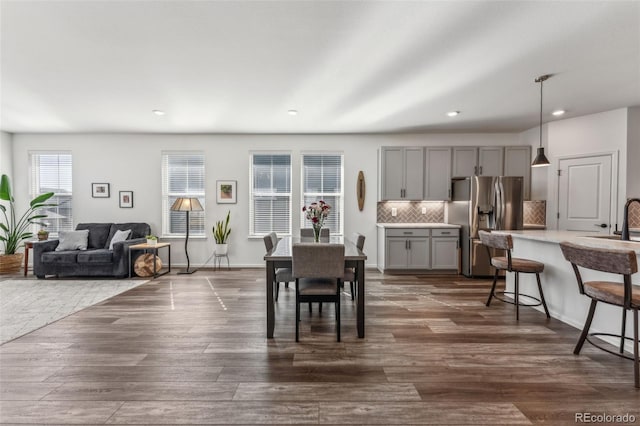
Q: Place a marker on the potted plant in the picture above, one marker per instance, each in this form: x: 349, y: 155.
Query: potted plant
x: 152, y: 240
x: 43, y: 235
x: 221, y: 233
x: 13, y: 228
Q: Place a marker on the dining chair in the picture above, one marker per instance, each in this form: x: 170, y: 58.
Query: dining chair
x: 318, y: 270
x: 623, y: 294
x: 350, y: 274
x: 308, y: 233
x: 281, y: 274
x: 512, y: 264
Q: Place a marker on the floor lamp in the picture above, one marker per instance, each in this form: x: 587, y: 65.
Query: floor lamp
x: 187, y: 205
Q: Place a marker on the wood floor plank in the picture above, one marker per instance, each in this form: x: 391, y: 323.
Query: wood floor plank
x: 143, y: 391
x: 58, y: 412
x: 326, y: 392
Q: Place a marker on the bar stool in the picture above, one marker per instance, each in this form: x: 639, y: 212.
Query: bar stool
x: 507, y: 263
x: 621, y: 262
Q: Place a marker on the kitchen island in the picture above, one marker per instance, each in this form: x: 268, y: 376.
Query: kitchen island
x: 559, y: 282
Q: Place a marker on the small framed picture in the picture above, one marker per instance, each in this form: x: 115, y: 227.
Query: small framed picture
x: 126, y: 199
x: 226, y: 191
x: 100, y: 190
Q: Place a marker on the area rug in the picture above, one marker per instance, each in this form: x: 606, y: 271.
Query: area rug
x: 26, y: 305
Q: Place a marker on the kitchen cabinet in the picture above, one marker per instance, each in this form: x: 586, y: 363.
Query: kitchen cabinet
x: 402, y: 173
x: 407, y: 249
x: 477, y: 161
x: 444, y: 248
x: 437, y: 177
x: 517, y: 162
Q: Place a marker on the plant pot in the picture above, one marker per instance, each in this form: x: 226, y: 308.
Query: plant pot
x: 222, y: 249
x: 152, y: 242
x: 10, y: 263
x: 43, y: 236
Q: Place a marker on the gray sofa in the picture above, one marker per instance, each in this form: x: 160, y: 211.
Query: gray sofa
x: 97, y: 260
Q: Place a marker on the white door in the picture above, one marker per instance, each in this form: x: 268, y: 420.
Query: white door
x: 584, y: 194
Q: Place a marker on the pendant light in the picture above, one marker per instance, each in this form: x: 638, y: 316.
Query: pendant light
x: 541, y: 160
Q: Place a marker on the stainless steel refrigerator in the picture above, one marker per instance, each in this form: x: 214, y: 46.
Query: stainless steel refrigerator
x: 483, y: 203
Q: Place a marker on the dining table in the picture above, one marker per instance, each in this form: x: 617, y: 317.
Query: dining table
x: 280, y: 257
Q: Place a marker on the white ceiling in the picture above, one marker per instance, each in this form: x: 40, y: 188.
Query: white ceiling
x: 347, y: 66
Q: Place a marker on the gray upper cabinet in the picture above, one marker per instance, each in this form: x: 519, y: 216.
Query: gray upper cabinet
x: 517, y: 162
x: 437, y: 175
x: 402, y: 173
x: 474, y: 161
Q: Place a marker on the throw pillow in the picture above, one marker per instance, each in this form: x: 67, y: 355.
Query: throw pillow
x: 119, y: 236
x: 73, y: 240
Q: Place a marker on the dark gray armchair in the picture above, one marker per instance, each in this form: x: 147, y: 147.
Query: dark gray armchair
x: 97, y: 260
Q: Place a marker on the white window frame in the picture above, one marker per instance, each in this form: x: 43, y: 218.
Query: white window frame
x: 166, y: 195
x: 321, y: 195
x: 252, y: 193
x: 33, y: 192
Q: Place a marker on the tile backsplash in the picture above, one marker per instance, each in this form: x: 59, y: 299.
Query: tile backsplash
x: 634, y: 215
x: 411, y: 212
x: 534, y: 212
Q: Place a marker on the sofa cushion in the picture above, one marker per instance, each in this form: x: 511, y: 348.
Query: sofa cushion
x: 95, y: 256
x: 66, y: 257
x: 119, y: 236
x: 138, y: 230
x: 73, y: 240
x: 98, y: 234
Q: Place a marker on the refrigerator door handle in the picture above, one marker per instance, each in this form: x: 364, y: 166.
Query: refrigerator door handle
x: 499, y: 205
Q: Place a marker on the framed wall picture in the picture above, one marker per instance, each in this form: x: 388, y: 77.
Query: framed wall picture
x: 226, y: 191
x: 126, y: 199
x: 100, y: 190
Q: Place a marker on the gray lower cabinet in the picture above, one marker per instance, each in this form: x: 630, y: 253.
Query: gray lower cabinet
x: 418, y: 249
x: 444, y: 248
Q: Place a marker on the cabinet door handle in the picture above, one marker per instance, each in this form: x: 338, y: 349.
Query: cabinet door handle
x: 449, y: 192
x: 480, y: 169
x: 409, y: 241
x: 445, y: 232
x: 475, y: 170
x: 406, y: 244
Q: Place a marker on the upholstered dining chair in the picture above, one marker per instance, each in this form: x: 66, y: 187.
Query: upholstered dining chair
x: 282, y: 274
x: 308, y: 233
x: 623, y: 294
x: 350, y: 274
x: 318, y: 270
x: 512, y: 264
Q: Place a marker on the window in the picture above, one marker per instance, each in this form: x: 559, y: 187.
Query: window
x: 51, y: 172
x: 270, y: 204
x: 322, y: 179
x: 182, y: 176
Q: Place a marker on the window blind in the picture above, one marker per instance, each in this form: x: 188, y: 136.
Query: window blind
x: 322, y: 179
x: 270, y: 204
x: 182, y: 176
x: 52, y: 172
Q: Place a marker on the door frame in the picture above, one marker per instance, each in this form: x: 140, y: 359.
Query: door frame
x: 613, y: 212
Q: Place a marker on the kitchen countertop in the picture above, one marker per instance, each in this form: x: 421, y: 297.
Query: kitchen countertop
x: 417, y: 225
x: 577, y: 237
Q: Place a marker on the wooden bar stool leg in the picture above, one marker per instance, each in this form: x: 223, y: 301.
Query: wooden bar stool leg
x: 544, y: 303
x: 636, y: 357
x: 585, y: 330
x: 277, y: 290
x: 517, y: 295
x: 297, y: 314
x: 623, y: 331
x: 493, y: 287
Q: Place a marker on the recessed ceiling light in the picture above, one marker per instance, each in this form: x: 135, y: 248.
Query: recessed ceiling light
x: 293, y: 112
x: 158, y: 112
x: 558, y: 112
x: 453, y: 113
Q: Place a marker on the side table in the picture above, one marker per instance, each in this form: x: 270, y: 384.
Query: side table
x: 28, y: 245
x: 153, y: 249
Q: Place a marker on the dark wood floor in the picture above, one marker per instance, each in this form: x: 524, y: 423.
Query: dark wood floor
x: 192, y: 350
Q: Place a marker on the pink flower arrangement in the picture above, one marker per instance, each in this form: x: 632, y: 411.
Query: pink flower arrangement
x: 317, y: 212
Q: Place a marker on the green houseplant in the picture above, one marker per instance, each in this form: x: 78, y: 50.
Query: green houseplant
x: 221, y: 233
x: 13, y: 228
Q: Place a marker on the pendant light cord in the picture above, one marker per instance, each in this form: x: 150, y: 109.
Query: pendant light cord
x: 542, y: 79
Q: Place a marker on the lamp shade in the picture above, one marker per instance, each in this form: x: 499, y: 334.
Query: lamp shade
x: 541, y: 159
x: 187, y: 205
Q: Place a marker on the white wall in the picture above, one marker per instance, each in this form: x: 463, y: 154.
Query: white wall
x: 132, y: 162
x: 590, y: 134
x: 6, y: 154
x: 633, y: 152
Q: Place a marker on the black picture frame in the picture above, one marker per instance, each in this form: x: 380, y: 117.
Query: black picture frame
x: 125, y: 199
x: 100, y: 190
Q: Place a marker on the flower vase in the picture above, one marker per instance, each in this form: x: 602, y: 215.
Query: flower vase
x: 316, y: 232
